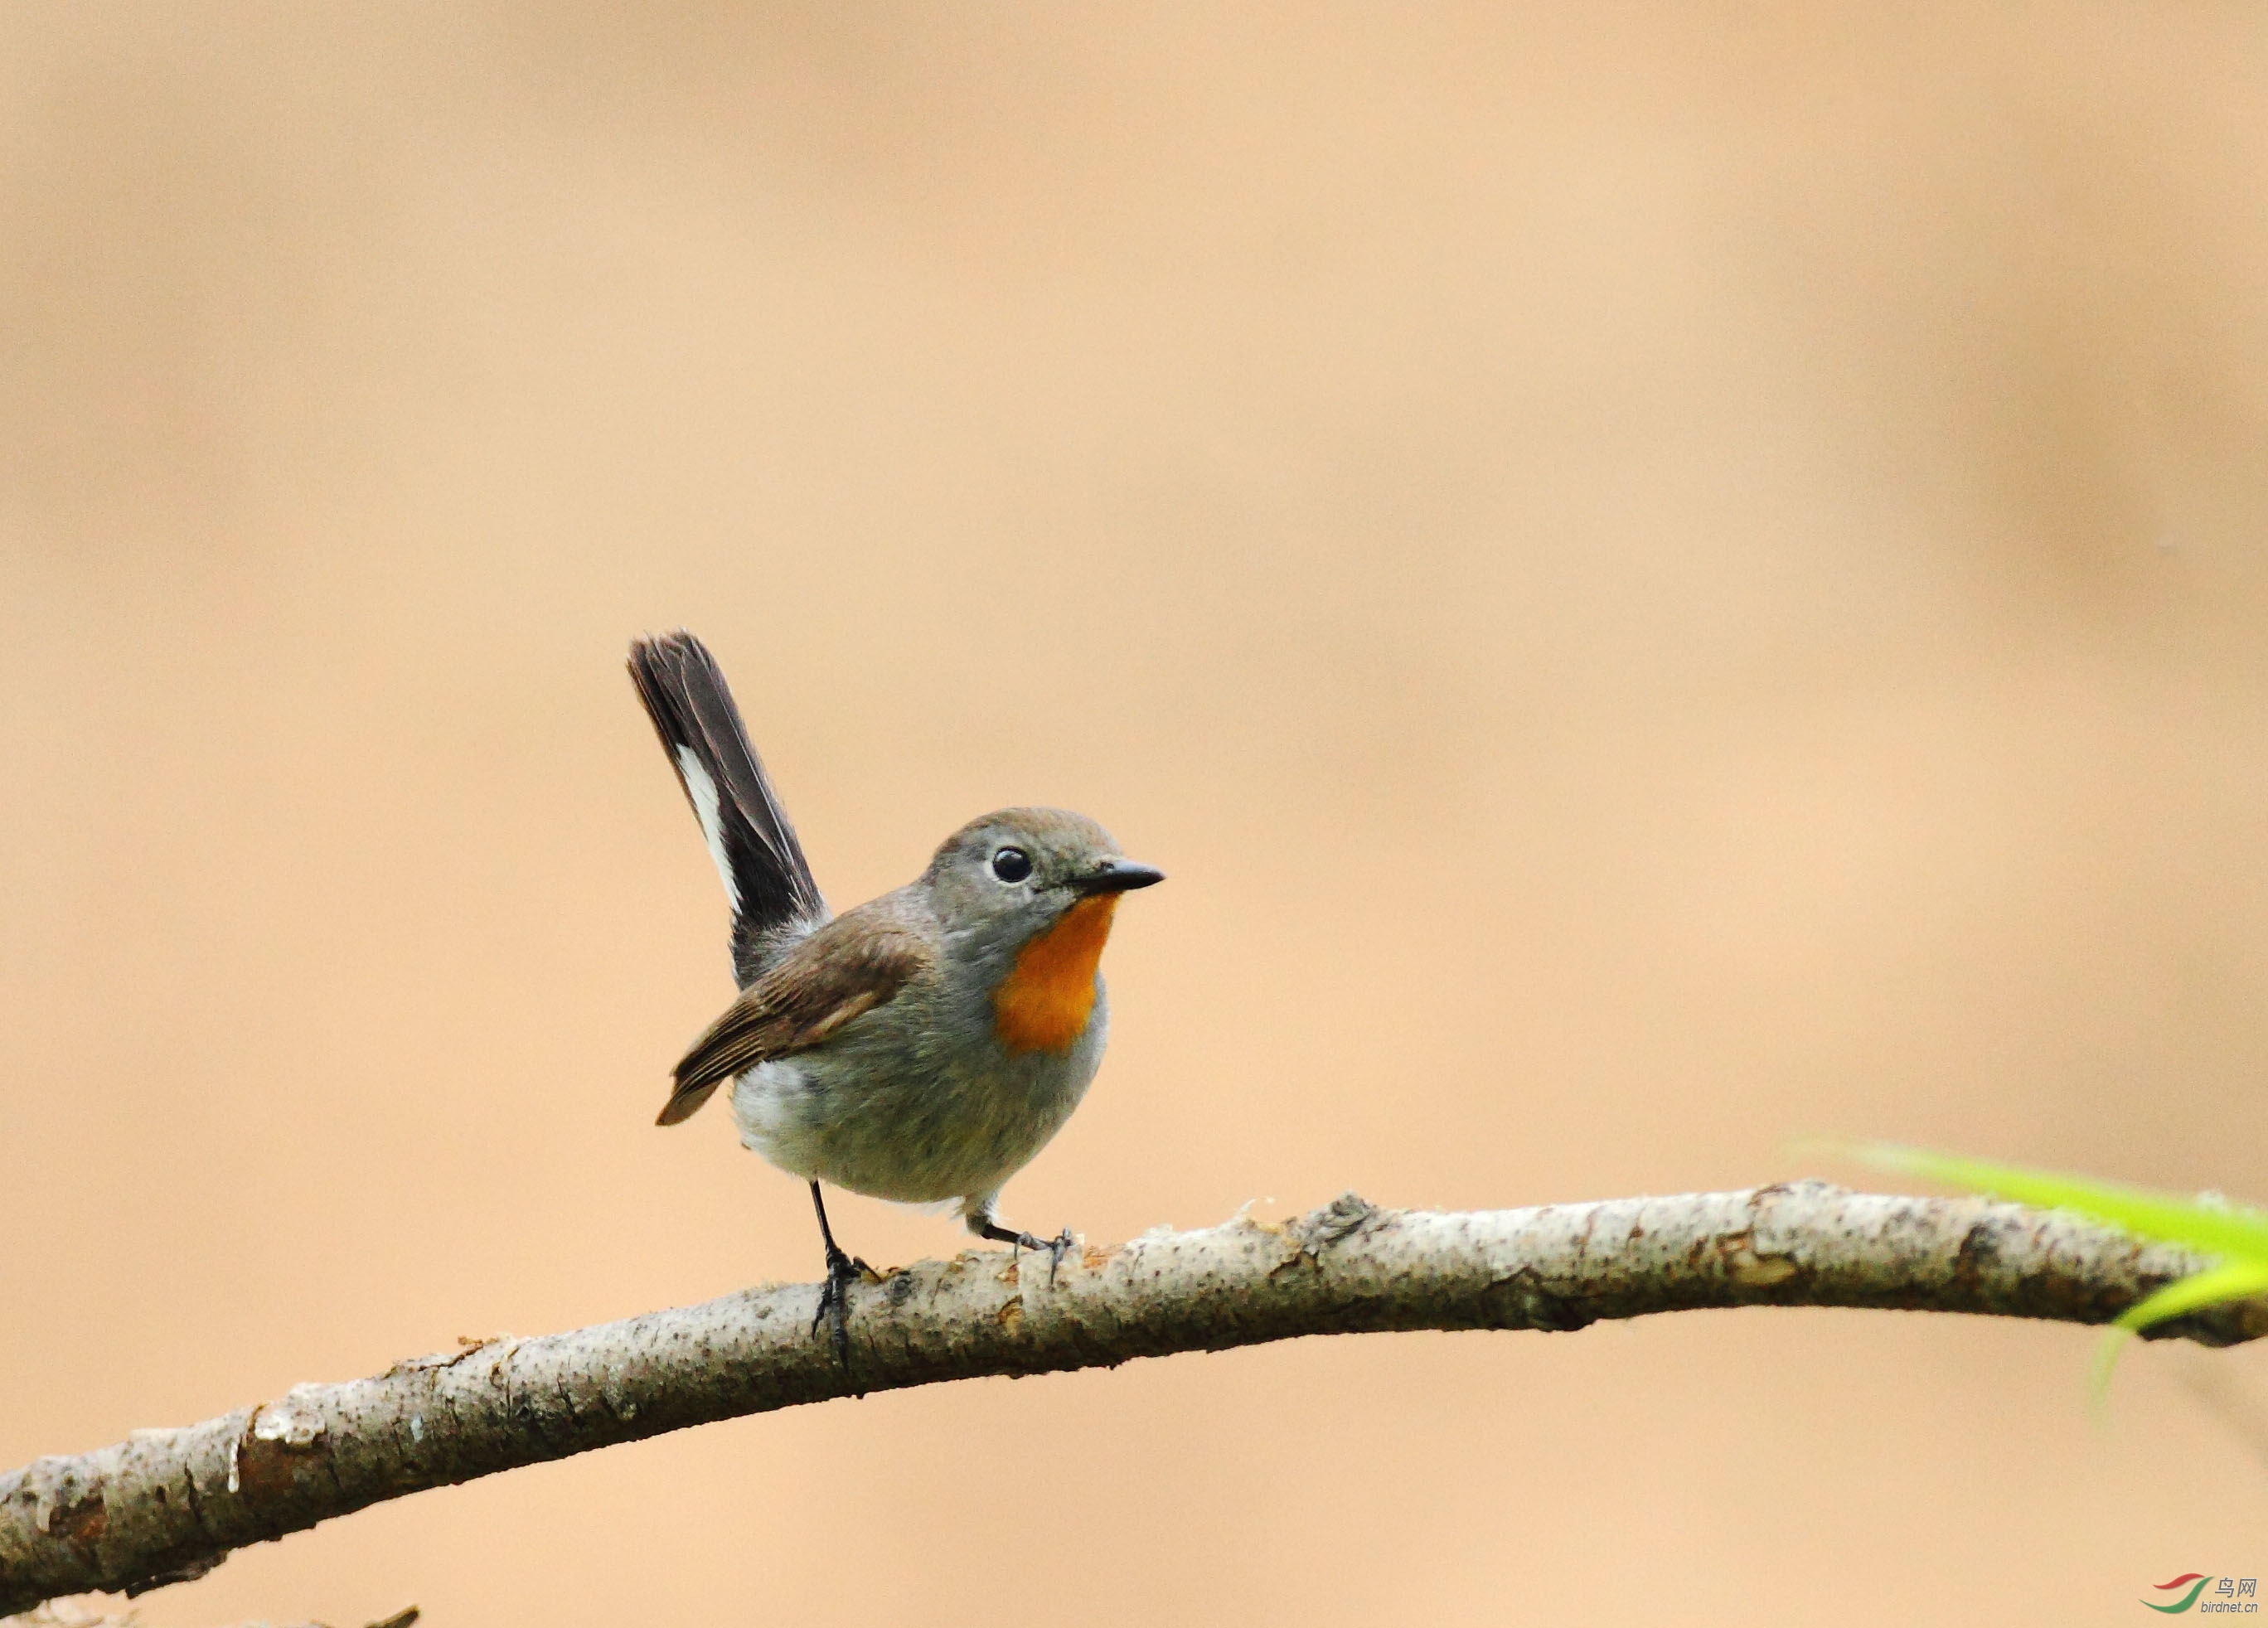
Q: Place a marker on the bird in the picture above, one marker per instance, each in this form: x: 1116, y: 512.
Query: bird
x: 921, y: 1048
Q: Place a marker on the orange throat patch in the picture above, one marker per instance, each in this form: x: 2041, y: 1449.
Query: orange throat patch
x: 1044, y: 1002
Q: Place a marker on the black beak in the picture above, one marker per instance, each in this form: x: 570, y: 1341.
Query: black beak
x: 1117, y: 876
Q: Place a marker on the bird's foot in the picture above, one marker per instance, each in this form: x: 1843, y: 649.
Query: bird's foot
x: 843, y: 1270
x: 1018, y: 1243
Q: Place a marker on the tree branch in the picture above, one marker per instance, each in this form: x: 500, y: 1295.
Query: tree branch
x: 168, y: 1505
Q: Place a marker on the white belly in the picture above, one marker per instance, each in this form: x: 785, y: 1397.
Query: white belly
x: 772, y: 1105
x: 919, y: 1132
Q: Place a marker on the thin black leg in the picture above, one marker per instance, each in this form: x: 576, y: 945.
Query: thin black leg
x: 843, y: 1270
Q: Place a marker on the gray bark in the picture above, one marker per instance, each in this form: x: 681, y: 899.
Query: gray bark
x: 75, y: 1614
x: 168, y: 1505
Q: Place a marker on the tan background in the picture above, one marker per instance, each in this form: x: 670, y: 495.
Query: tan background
x: 1658, y: 585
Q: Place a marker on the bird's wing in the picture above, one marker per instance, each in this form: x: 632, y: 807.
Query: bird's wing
x: 855, y: 964
x: 749, y: 837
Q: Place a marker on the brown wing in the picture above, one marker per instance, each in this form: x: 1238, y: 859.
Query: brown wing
x: 855, y: 964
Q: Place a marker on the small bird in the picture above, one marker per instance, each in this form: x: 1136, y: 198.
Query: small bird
x: 923, y: 1047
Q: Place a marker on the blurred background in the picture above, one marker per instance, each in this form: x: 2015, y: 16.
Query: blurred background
x: 1659, y: 582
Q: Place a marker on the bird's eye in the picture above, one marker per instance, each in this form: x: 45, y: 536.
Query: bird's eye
x: 1011, y: 864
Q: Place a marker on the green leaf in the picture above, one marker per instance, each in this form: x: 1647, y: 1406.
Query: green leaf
x: 2208, y: 1227
x: 2206, y: 1288
x: 2209, y: 1288
x: 2237, y: 1234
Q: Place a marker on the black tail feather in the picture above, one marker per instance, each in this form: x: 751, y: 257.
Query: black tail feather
x: 748, y: 833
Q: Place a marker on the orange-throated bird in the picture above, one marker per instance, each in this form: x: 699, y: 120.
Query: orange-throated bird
x: 923, y: 1047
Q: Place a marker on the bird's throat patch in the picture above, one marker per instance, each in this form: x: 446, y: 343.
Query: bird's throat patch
x: 1044, y: 1002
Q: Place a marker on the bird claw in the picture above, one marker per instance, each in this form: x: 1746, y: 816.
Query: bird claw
x: 843, y: 1270
x: 1054, y: 1246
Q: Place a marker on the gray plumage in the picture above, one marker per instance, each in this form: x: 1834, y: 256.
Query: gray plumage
x: 915, y: 1097
x: 869, y: 1049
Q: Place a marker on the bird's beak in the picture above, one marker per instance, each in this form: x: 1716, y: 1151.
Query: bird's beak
x: 1117, y: 876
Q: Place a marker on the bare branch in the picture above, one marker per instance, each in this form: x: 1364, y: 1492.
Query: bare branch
x: 69, y: 1613
x: 168, y: 1505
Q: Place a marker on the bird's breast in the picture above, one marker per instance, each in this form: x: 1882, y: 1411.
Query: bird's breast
x: 1045, y: 1001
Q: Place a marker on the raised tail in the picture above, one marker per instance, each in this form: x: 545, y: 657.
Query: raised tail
x: 766, y: 876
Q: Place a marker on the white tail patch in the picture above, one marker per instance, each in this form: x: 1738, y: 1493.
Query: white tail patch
x: 709, y: 808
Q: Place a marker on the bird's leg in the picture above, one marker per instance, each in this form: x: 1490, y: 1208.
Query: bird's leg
x: 843, y: 1270
x: 992, y: 1230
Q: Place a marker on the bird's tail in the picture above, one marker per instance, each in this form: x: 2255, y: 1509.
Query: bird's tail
x: 766, y: 876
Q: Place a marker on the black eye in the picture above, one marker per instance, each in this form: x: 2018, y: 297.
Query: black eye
x: 1011, y: 864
